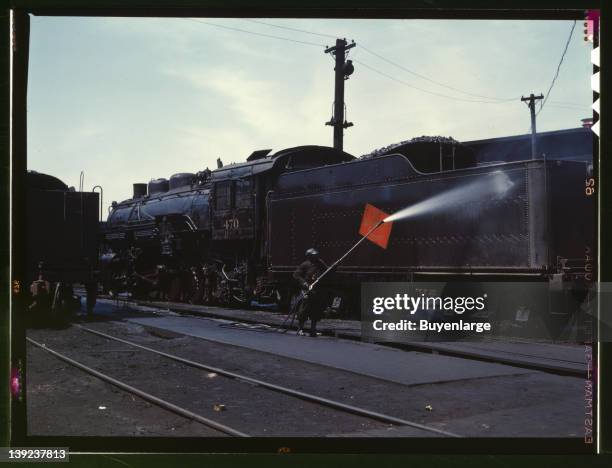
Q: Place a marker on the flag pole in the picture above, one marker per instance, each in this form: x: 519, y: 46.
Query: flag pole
x: 337, y: 262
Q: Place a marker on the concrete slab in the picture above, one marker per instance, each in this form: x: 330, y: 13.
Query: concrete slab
x: 407, y: 368
x: 566, y: 358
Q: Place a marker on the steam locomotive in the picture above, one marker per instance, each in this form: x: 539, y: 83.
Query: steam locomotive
x: 234, y: 235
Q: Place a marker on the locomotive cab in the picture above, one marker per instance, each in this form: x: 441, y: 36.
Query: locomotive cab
x: 238, y: 190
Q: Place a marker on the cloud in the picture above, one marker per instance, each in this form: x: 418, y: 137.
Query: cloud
x: 269, y: 110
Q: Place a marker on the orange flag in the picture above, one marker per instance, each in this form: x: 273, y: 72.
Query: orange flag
x: 372, y: 216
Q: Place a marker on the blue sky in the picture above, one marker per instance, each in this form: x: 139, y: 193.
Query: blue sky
x: 131, y: 99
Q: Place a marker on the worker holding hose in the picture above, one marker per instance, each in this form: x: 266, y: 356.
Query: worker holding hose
x: 312, y: 304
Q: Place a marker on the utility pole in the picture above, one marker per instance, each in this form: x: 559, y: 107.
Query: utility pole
x: 344, y: 68
x: 531, y: 104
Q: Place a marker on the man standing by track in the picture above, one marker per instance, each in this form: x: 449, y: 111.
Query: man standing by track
x: 312, y: 305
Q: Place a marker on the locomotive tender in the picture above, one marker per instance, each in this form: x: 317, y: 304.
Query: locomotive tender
x: 235, y: 234
x: 61, y: 242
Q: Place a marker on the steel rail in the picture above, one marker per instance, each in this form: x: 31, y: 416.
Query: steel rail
x: 278, y: 388
x: 144, y: 395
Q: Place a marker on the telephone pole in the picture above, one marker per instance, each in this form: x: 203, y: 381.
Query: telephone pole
x: 343, y: 69
x: 531, y: 104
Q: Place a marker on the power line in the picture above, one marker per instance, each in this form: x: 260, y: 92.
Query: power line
x: 289, y: 28
x: 558, y: 68
x: 320, y: 45
x: 231, y: 28
x: 484, y: 100
x: 391, y: 77
x: 395, y: 64
x: 423, y: 77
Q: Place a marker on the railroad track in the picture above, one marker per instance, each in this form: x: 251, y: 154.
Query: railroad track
x: 326, y: 402
x: 141, y: 393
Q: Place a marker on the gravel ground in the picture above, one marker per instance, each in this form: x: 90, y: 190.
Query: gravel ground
x: 528, y: 404
x: 250, y: 409
x: 63, y: 400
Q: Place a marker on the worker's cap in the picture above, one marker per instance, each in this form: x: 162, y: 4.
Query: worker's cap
x: 312, y: 252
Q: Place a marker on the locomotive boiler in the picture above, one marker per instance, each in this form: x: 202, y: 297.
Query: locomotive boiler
x: 235, y: 234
